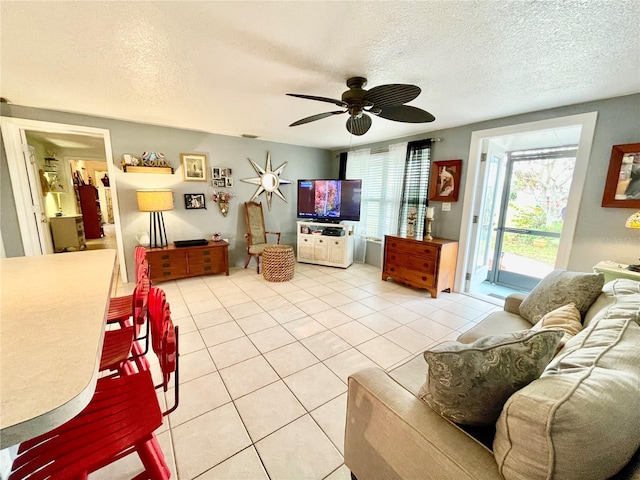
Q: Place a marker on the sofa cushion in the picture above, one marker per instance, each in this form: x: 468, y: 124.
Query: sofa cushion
x: 495, y: 323
x: 468, y: 384
x: 580, y: 420
x: 560, y: 288
x: 621, y: 291
x: 565, y: 318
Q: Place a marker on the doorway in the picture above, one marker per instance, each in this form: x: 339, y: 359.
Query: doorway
x: 514, y: 231
x: 30, y: 206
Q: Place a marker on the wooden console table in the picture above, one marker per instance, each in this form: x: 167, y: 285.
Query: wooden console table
x: 171, y: 263
x: 428, y: 264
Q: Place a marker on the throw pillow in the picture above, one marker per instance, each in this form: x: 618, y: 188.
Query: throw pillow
x: 469, y: 383
x: 565, y: 318
x: 560, y: 288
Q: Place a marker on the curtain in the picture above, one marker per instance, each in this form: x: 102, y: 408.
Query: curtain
x: 382, y: 177
x: 416, y: 185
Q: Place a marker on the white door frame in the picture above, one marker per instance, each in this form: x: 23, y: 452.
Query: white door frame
x: 13, y: 133
x: 588, y: 123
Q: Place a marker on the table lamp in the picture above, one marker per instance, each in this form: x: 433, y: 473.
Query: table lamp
x: 633, y: 222
x: 155, y: 202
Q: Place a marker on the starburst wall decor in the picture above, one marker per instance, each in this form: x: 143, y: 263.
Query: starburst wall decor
x: 268, y: 181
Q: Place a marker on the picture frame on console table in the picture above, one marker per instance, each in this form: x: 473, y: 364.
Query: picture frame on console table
x: 445, y: 180
x: 622, y: 186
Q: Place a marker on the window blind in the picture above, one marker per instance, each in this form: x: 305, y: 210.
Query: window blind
x: 416, y: 185
x: 382, y: 177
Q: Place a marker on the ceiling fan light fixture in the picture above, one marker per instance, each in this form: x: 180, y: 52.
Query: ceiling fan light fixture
x: 385, y: 101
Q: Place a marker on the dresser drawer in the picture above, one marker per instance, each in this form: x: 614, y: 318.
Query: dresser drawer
x: 410, y: 277
x: 167, y: 273
x: 412, y: 248
x: 205, y: 269
x: 412, y: 262
x: 204, y: 256
x: 166, y: 256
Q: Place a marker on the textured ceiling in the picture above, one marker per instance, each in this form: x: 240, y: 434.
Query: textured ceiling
x: 224, y: 67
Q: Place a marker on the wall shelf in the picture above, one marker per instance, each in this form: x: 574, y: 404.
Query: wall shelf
x: 133, y: 169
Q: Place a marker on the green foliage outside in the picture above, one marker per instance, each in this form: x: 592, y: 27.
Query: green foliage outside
x: 523, y: 245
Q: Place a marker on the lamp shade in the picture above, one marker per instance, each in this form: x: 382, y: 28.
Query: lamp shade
x: 155, y: 200
x: 633, y: 221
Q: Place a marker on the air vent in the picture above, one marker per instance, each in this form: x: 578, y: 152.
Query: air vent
x: 246, y: 135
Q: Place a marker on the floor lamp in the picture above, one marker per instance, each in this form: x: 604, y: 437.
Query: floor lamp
x: 155, y: 202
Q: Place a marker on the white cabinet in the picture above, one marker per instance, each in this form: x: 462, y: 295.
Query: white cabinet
x: 325, y: 244
x: 68, y: 233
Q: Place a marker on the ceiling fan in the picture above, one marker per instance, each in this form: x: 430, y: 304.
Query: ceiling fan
x: 386, y: 101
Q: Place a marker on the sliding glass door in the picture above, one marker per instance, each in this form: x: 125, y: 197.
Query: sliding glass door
x: 531, y: 215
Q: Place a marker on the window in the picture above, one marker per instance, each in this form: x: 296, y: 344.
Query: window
x: 382, y: 177
x: 416, y: 184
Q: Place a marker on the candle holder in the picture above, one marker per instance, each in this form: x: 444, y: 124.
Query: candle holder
x: 428, y: 235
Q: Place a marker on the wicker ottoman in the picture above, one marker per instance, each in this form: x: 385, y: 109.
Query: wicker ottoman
x: 278, y: 263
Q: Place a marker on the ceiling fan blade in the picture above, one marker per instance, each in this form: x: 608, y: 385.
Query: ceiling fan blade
x: 340, y: 103
x: 406, y: 113
x: 359, y: 125
x: 319, y: 116
x: 392, y: 94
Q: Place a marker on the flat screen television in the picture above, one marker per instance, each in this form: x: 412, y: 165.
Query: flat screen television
x: 329, y: 200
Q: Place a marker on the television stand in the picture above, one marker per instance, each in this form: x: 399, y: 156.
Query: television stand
x: 322, y: 245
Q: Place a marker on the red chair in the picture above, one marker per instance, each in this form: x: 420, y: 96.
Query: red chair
x: 120, y: 308
x: 119, y: 343
x: 120, y: 419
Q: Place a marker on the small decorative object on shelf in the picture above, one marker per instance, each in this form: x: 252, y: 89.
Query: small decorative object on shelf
x: 411, y: 221
x: 150, y: 162
x: 216, y: 237
x: 430, y: 212
x: 222, y: 199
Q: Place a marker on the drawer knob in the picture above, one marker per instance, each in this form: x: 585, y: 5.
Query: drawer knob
x: 207, y: 260
x: 207, y: 252
x: 166, y: 274
x: 207, y: 268
x: 166, y: 265
x: 424, y: 279
x: 164, y: 257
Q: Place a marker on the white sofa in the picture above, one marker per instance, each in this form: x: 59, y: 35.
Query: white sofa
x: 579, y: 420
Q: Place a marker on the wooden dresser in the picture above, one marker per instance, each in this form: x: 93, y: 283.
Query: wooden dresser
x: 428, y: 264
x: 170, y: 263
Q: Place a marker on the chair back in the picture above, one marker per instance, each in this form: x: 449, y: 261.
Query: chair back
x: 255, y: 223
x: 157, y: 301
x: 141, y: 263
x: 140, y: 304
x: 164, y: 341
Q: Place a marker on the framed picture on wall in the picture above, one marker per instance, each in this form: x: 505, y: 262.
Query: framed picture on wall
x: 622, y: 186
x: 194, y: 167
x: 194, y: 201
x: 445, y: 180
x: 215, y: 173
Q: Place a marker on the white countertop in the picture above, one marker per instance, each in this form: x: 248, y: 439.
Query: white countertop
x: 52, y: 316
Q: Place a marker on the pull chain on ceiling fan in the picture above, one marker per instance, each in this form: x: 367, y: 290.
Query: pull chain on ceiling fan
x: 386, y: 101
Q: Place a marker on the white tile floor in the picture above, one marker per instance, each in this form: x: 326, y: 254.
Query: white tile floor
x: 264, y: 366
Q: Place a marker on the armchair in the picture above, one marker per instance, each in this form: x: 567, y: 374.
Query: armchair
x: 256, y: 233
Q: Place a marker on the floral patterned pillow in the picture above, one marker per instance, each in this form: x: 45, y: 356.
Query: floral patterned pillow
x: 560, y: 288
x: 470, y: 383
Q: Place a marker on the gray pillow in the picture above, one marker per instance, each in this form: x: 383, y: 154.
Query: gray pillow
x: 469, y: 383
x: 560, y: 288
